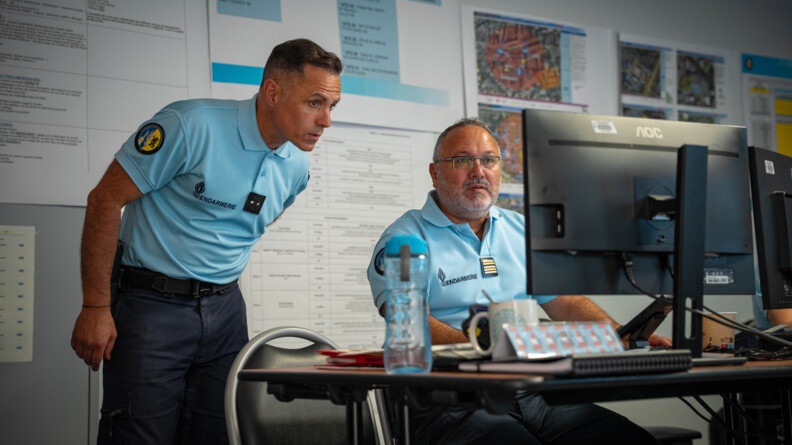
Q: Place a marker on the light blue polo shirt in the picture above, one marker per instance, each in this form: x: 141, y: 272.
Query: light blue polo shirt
x: 759, y: 312
x: 456, y: 277
x: 197, y: 162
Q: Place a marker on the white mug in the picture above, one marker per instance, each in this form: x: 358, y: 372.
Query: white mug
x: 523, y: 312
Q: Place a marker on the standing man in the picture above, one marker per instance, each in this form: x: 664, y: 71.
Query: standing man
x: 199, y: 182
x: 465, y: 231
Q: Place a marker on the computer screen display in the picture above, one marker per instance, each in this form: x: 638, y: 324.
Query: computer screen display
x: 600, y: 194
x: 771, y: 191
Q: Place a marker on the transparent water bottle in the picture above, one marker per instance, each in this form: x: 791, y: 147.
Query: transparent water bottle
x: 408, y: 343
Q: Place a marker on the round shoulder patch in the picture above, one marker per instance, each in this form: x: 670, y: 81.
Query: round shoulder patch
x: 379, y: 262
x: 149, y: 139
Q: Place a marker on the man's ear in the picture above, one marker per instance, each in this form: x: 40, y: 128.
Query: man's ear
x: 271, y: 91
x: 433, y: 173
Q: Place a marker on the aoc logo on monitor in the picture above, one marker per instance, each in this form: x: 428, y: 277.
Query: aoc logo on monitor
x: 649, y: 132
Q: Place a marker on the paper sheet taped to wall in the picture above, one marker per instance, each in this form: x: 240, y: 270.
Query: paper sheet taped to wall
x: 16, y: 293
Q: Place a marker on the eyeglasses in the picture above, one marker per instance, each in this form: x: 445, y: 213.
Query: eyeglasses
x: 467, y: 162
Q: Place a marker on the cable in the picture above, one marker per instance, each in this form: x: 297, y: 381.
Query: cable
x: 721, y: 422
x: 707, y: 408
x: 627, y: 264
x: 665, y: 261
x: 762, y: 355
x: 735, y: 405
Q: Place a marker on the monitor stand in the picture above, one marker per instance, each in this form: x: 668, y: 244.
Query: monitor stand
x: 689, y: 231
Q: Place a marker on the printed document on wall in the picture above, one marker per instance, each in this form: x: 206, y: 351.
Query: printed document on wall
x: 77, y: 78
x: 310, y: 266
x: 17, y: 247
x: 767, y: 102
x: 400, y: 57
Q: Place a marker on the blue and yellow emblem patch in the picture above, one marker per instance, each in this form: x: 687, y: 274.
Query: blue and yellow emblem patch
x: 379, y: 262
x: 149, y: 139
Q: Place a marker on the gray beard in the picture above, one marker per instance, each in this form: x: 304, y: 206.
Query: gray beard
x: 464, y: 208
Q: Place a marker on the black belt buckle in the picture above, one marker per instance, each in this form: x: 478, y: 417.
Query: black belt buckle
x: 160, y: 283
x: 200, y: 290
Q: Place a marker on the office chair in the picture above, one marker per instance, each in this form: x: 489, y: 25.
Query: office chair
x: 672, y: 435
x: 255, y: 417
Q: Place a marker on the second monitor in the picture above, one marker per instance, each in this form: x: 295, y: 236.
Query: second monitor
x: 771, y: 188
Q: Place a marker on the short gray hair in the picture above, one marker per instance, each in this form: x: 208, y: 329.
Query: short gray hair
x: 464, y: 122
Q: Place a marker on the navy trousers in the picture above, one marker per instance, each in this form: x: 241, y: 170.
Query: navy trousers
x: 165, y: 380
x: 531, y: 421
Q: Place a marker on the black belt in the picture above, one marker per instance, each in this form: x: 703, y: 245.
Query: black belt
x: 148, y: 279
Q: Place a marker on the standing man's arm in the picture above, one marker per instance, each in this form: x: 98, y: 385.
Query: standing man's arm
x: 94, y: 331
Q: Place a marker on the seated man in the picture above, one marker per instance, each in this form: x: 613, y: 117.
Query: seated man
x: 462, y: 228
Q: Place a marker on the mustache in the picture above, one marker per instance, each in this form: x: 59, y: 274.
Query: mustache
x: 476, y: 182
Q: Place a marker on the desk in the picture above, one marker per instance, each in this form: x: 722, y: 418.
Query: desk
x: 495, y: 392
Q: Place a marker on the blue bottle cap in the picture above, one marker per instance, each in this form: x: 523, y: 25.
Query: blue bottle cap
x: 417, y: 245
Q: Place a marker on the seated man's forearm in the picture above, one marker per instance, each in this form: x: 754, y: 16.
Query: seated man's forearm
x: 444, y: 334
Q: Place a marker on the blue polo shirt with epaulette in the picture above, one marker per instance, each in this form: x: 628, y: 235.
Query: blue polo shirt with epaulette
x: 210, y: 187
x: 461, y: 265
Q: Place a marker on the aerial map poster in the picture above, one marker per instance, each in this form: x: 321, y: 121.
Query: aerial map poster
x: 506, y: 125
x: 767, y: 102
x: 514, y: 61
x: 674, y: 81
x: 397, y: 62
x: 520, y: 62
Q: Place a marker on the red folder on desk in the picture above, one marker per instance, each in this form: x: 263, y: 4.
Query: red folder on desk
x: 353, y: 357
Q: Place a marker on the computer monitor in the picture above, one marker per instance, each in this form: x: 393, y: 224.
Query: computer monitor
x: 771, y: 191
x: 602, y: 205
